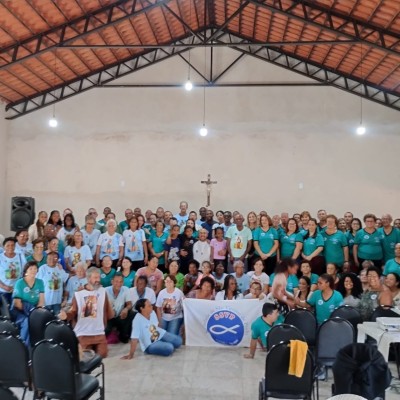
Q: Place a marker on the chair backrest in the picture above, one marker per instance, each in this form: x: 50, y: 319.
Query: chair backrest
x: 62, y: 333
x: 333, y: 334
x: 38, y: 318
x: 361, y: 369
x: 305, y: 321
x: 383, y: 311
x: 283, y: 333
x: 8, y: 326
x: 277, y: 379
x: 4, y: 307
x: 53, y: 368
x: 14, y: 368
x: 348, y: 313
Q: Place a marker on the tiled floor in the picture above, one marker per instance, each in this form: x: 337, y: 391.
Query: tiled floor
x: 193, y: 373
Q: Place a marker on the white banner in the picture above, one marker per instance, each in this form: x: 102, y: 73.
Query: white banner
x: 220, y: 323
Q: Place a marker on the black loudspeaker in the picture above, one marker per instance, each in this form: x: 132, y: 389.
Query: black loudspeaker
x: 22, y: 212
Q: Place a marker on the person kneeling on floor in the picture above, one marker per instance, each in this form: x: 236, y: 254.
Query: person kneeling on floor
x: 145, y: 330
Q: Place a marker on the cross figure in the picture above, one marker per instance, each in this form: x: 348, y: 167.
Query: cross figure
x: 209, y: 184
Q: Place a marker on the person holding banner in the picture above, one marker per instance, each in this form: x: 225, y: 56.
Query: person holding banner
x: 261, y: 326
x: 145, y: 331
x: 205, y: 291
x: 230, y: 290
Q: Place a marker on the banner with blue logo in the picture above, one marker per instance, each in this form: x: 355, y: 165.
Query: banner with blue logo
x: 220, y: 323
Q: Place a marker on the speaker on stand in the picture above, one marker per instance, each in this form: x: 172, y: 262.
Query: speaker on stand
x: 22, y: 212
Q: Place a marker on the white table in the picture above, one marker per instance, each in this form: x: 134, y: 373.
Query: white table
x: 383, y: 338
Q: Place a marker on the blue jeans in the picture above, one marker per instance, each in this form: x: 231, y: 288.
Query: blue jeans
x: 165, y: 346
x: 173, y: 326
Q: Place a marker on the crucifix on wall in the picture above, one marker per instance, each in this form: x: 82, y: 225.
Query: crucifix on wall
x: 209, y: 184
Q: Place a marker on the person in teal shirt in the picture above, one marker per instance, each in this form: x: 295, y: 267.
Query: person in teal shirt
x: 355, y: 226
x: 106, y: 272
x: 368, y: 243
x: 291, y: 241
x: 156, y: 244
x: 336, y: 250
x: 390, y: 235
x: 127, y: 273
x: 266, y: 243
x: 262, y: 325
x: 324, y: 300
x: 28, y: 293
x: 393, y: 265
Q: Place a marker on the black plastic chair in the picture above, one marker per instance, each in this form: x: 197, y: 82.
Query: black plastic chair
x: 4, y: 307
x: 350, y: 314
x: 38, y: 318
x: 55, y: 374
x: 7, y: 394
x: 8, y: 326
x: 305, y: 321
x: 283, y: 333
x: 383, y: 311
x: 278, y: 383
x: 361, y: 369
x: 14, y: 363
x: 62, y: 333
x: 333, y: 334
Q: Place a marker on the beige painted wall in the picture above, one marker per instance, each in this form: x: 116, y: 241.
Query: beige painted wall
x: 3, y: 166
x: 140, y: 147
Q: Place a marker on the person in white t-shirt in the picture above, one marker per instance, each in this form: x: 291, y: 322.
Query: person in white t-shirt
x: 77, y: 252
x: 230, y: 290
x: 145, y: 331
x: 202, y: 249
x: 142, y: 291
x: 258, y: 275
x: 169, y: 306
x: 91, y: 308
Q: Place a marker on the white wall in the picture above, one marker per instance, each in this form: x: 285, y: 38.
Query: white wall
x: 140, y: 147
x: 4, y: 225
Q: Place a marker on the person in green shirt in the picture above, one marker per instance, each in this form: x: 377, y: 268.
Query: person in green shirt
x: 261, y: 326
x: 368, y: 243
x: 173, y: 268
x: 106, y: 272
x: 391, y: 236
x: 28, y: 293
x: 393, y: 265
x: 336, y: 250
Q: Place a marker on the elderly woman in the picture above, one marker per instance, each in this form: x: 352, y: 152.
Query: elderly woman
x: 376, y: 295
x: 368, y: 243
x: 11, y: 265
x: 145, y: 331
x: 336, y: 250
x: 28, y: 293
x: 169, y: 306
x: 110, y: 244
x: 230, y: 290
x: 205, y: 290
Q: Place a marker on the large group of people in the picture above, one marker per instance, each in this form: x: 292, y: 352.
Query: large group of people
x: 126, y: 281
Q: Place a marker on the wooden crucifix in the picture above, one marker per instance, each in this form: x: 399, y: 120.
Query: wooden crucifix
x: 209, y: 184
